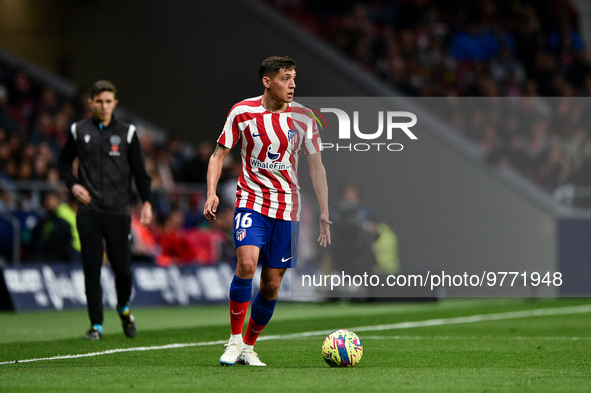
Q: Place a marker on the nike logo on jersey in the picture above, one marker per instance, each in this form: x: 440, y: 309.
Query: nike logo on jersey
x: 255, y: 135
x: 236, y: 313
x: 86, y: 138
x: 285, y: 259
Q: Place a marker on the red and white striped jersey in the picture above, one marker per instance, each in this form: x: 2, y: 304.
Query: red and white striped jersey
x: 270, y: 145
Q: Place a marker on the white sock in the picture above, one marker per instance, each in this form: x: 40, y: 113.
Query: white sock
x: 235, y: 337
x: 246, y: 346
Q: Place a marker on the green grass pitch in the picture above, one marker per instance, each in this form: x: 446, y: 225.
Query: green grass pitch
x: 462, y: 345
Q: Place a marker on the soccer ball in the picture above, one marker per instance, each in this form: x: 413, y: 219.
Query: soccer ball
x: 342, y: 348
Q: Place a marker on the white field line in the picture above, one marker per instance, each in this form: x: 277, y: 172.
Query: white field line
x: 394, y: 326
x: 118, y: 350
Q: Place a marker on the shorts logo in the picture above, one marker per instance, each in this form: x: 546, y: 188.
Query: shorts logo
x: 240, y: 234
x: 285, y: 259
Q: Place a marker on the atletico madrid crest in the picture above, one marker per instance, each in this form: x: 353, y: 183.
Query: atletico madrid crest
x: 240, y: 234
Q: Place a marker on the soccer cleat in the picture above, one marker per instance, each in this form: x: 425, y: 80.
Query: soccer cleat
x: 93, y: 334
x: 128, y: 322
x: 232, y: 353
x: 250, y: 358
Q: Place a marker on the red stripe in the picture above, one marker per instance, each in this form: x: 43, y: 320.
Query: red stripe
x: 242, y: 117
x: 222, y: 139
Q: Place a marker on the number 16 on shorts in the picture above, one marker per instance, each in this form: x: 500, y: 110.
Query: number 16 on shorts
x: 243, y: 221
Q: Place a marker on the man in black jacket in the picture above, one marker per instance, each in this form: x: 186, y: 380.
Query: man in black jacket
x: 109, y: 154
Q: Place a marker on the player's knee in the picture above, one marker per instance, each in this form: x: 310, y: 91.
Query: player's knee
x: 270, y: 288
x: 246, y: 268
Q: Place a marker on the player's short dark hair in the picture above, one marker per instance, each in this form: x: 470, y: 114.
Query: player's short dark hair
x: 100, y: 86
x: 272, y: 65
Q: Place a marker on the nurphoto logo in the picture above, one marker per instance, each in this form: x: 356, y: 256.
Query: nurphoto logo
x: 394, y: 123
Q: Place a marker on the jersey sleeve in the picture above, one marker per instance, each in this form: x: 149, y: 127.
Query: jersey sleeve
x: 312, y: 141
x: 230, y: 133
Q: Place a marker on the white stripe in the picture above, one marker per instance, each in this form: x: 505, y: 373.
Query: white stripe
x: 228, y: 131
x: 258, y: 200
x: 288, y: 206
x: 74, y: 132
x: 273, y: 200
x: 241, y: 109
x: 309, y: 142
x: 403, y: 325
x: 283, y: 186
x: 130, y: 133
x: 118, y: 350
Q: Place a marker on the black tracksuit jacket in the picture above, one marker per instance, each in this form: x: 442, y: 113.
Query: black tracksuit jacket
x: 108, y: 158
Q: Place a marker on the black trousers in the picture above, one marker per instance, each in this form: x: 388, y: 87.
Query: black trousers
x: 94, y: 226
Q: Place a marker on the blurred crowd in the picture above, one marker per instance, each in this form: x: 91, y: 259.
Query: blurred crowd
x: 545, y: 138
x: 482, y: 48
x: 457, y: 47
x: 35, y: 122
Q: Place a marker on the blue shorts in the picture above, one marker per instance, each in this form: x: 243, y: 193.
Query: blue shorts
x: 277, y: 239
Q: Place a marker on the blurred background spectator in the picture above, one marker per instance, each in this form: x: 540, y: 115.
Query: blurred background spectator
x: 176, y: 249
x: 353, y: 233
x: 51, y: 238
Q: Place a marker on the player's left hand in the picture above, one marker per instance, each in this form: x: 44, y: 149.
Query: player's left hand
x: 211, y: 205
x: 146, y: 214
x: 325, y: 223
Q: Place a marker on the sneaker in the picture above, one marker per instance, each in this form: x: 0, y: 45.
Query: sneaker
x: 232, y: 353
x: 128, y: 322
x: 93, y: 334
x: 250, y: 358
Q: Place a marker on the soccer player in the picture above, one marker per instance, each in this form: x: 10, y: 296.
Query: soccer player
x: 109, y: 156
x: 271, y: 131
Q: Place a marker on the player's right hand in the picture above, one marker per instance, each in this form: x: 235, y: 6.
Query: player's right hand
x: 81, y: 194
x: 211, y: 206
